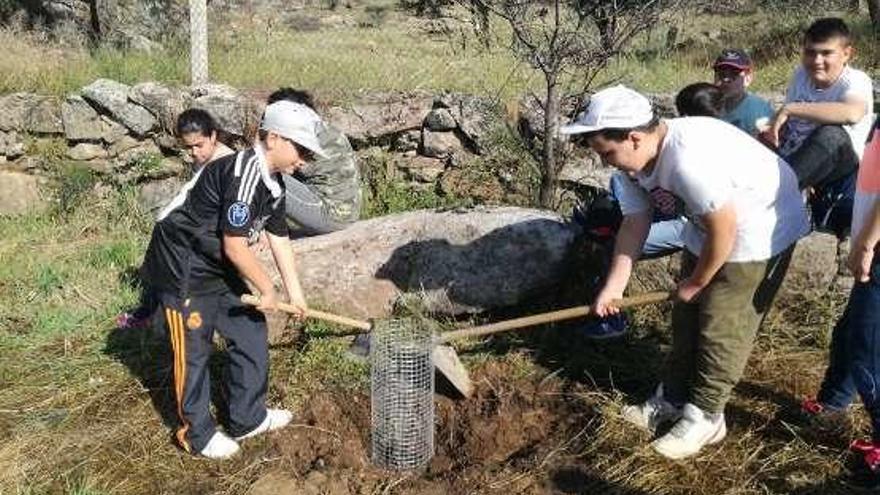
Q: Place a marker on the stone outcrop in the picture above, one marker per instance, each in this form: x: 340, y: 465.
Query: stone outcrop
x: 456, y: 261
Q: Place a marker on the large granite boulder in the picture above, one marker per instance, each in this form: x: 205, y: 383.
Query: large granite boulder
x: 814, y: 266
x: 457, y: 261
x: 813, y: 270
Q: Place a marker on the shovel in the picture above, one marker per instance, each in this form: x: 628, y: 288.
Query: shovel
x: 446, y: 359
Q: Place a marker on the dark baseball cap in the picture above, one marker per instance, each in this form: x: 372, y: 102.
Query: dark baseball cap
x: 733, y: 57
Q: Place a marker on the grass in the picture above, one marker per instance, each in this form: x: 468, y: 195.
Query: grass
x: 67, y: 394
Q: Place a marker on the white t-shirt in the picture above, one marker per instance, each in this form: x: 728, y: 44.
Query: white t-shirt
x: 851, y: 83
x: 708, y: 163
x: 219, y: 152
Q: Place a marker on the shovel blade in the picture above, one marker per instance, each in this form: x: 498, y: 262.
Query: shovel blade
x: 446, y: 360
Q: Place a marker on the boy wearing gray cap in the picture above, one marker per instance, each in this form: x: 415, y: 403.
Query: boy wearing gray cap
x: 197, y: 263
x: 745, y: 214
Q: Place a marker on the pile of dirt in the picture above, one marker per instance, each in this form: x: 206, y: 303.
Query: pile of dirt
x: 509, y: 425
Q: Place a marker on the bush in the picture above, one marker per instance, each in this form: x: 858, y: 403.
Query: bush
x: 72, y: 182
x: 385, y: 193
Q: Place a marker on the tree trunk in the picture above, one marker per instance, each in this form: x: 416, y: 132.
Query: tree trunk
x: 549, y: 168
x: 854, y: 6
x: 874, y: 11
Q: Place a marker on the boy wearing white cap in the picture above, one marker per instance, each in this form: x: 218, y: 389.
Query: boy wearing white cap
x: 197, y: 263
x: 745, y: 215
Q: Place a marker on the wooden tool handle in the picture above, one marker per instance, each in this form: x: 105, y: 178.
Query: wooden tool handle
x: 312, y: 313
x: 562, y: 314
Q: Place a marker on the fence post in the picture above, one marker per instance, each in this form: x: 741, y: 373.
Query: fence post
x: 198, y: 35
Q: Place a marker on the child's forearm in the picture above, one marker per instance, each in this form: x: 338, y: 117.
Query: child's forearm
x: 845, y: 112
x: 870, y: 235
x: 237, y: 251
x: 720, y: 236
x: 286, y: 262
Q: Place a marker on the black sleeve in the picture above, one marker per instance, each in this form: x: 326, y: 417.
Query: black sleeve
x: 277, y: 223
x: 238, y: 210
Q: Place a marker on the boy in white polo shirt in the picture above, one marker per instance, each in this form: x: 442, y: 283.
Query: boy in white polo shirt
x: 745, y: 214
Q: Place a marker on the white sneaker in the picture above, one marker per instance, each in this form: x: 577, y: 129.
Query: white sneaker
x: 275, y: 419
x: 652, y: 413
x: 691, y: 433
x: 220, y: 446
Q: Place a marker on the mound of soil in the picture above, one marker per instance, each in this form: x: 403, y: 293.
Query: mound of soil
x: 509, y: 426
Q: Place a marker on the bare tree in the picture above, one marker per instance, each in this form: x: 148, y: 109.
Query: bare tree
x: 569, y: 42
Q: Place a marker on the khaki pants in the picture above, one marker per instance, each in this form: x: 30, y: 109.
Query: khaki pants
x: 713, y: 336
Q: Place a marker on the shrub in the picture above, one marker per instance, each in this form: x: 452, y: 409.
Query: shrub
x: 72, y: 182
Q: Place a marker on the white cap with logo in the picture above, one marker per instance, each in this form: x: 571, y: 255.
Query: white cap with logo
x: 296, y: 122
x: 617, y: 107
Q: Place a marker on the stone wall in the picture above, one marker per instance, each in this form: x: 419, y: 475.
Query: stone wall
x: 125, y: 134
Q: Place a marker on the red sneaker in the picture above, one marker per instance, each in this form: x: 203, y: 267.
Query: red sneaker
x: 860, y: 445
x: 812, y: 407
x: 866, y: 473
x: 821, y: 419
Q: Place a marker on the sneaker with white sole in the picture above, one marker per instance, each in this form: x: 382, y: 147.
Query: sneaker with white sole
x: 220, y: 446
x: 692, y: 432
x: 652, y: 413
x: 275, y: 419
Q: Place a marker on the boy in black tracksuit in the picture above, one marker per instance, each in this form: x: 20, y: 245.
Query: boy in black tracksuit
x: 197, y: 261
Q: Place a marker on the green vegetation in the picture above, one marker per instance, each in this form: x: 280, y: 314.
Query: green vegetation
x: 385, y: 192
x: 73, y: 181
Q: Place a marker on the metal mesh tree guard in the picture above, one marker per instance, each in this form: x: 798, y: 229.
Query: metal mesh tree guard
x: 402, y: 395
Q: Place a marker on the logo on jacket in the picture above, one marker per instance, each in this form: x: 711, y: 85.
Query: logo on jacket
x: 238, y: 214
x: 194, y: 321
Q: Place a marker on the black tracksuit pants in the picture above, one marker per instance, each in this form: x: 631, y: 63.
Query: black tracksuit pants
x: 190, y: 324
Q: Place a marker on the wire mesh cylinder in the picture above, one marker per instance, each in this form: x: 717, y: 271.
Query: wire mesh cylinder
x: 402, y: 395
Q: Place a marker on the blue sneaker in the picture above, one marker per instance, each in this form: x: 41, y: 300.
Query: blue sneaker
x: 605, y: 328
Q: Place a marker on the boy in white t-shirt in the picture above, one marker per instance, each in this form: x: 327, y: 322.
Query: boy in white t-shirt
x: 745, y: 215
x: 821, y: 128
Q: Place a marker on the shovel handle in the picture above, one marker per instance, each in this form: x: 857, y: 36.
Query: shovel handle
x: 562, y: 314
x: 312, y: 313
